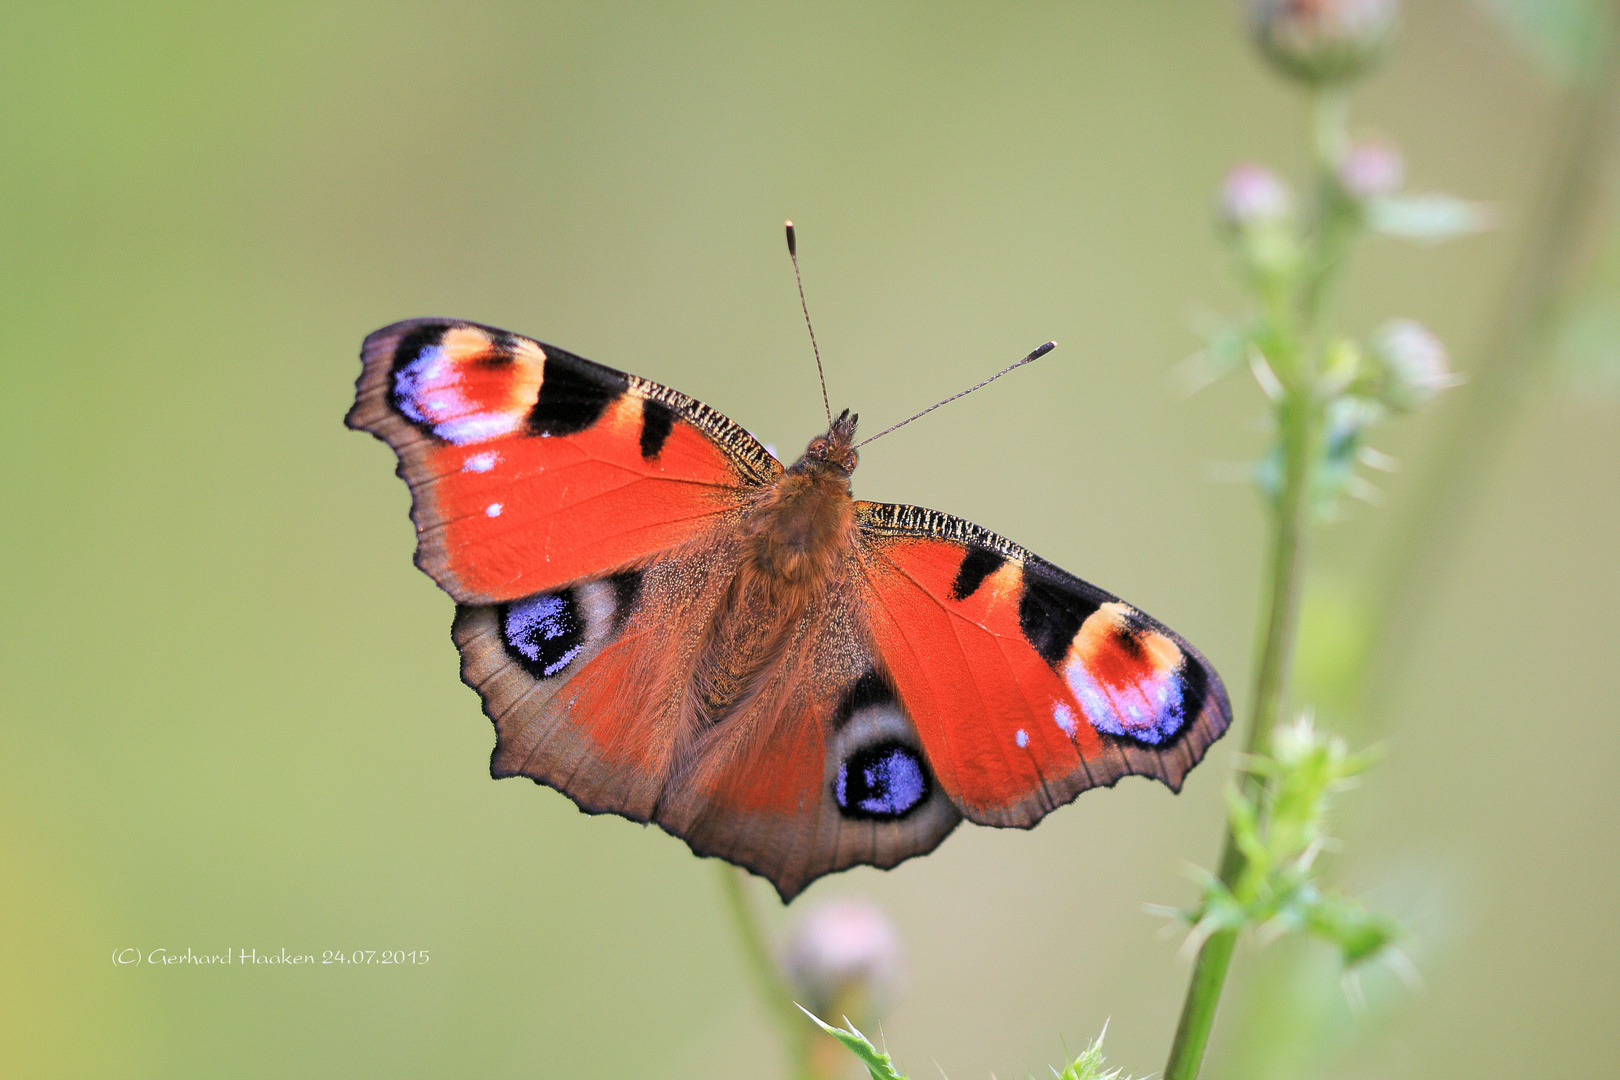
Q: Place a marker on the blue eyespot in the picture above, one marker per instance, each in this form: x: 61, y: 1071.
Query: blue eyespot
x: 543, y: 632
x: 883, y: 781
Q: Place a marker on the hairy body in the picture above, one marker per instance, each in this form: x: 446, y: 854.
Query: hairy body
x: 798, y: 549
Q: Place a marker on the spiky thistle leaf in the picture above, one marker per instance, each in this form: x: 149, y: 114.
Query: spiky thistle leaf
x: 1089, y: 1065
x: 879, y: 1064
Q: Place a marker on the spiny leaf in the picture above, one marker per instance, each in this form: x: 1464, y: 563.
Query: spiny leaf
x: 1279, y: 826
x: 1089, y: 1065
x: 877, y: 1063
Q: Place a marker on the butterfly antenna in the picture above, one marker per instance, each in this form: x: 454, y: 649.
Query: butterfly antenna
x: 1036, y: 355
x: 793, y: 253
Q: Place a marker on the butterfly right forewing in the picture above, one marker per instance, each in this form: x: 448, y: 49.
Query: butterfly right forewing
x: 1027, y: 684
x: 531, y: 468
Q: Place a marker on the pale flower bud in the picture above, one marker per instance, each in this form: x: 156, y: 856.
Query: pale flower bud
x: 1372, y: 170
x: 1253, y: 195
x: 844, y: 958
x: 1322, y: 41
x: 1415, y: 365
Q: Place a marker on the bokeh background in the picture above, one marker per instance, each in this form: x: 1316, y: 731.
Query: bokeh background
x: 230, y: 714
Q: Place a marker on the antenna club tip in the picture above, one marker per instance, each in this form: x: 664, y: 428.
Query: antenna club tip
x: 792, y: 246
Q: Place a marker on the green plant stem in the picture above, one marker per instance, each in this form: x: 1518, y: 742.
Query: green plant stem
x: 1330, y: 125
x: 1564, y: 222
x: 1300, y: 423
x: 773, y: 991
x: 1301, y: 438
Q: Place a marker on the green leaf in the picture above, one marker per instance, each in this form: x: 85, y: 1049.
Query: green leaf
x: 1278, y: 824
x: 1427, y: 218
x: 1089, y: 1065
x: 1226, y: 346
x: 877, y: 1063
x: 1360, y: 934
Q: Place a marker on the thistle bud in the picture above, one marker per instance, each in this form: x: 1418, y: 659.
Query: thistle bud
x: 1371, y: 170
x: 1253, y: 195
x: 1322, y: 41
x: 844, y: 959
x: 1414, y: 365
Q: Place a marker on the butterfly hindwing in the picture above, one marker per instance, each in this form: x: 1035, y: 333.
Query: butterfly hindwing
x: 816, y: 769
x: 531, y: 468
x: 1026, y: 684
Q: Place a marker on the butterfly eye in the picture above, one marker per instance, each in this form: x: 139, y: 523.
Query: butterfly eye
x: 851, y: 460
x: 818, y: 448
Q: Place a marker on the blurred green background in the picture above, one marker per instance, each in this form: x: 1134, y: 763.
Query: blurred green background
x: 231, y: 717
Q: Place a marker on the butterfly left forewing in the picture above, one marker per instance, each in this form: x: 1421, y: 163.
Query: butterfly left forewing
x: 1026, y: 684
x: 530, y: 467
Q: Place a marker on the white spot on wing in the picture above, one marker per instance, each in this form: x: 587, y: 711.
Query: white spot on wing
x: 1022, y: 738
x: 477, y: 427
x: 493, y: 509
x: 481, y: 462
x: 1064, y: 718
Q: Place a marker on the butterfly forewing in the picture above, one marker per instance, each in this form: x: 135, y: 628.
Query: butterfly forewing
x: 530, y: 467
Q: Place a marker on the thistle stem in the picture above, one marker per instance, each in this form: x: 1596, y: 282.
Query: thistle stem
x: 1300, y: 423
x: 768, y: 982
x: 1300, y: 440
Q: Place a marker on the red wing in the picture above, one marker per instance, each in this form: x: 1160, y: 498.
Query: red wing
x: 530, y: 467
x: 1026, y: 684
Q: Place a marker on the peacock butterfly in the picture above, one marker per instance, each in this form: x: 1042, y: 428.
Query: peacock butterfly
x: 665, y: 623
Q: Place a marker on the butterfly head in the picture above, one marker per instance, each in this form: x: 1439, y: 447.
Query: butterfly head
x: 834, y: 450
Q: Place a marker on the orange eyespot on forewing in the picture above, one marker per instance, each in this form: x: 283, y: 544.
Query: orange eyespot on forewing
x: 1132, y: 680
